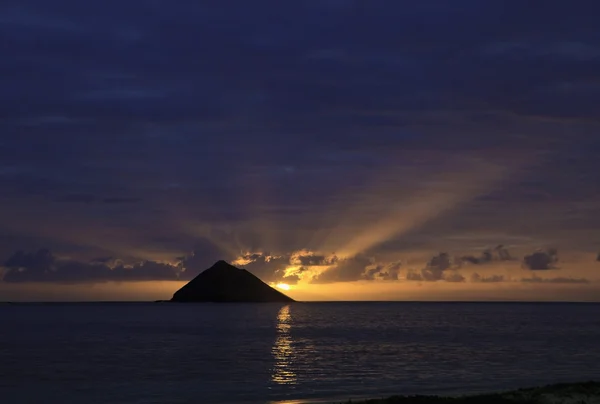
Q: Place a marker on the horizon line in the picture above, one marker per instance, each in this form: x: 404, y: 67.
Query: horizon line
x: 8, y: 302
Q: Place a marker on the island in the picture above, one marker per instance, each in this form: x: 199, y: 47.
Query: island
x: 225, y: 283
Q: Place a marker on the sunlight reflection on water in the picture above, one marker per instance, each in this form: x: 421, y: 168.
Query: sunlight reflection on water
x: 283, y: 352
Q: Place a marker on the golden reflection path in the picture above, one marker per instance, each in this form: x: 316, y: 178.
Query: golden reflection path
x: 283, y: 352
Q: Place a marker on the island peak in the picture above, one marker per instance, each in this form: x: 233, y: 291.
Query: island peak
x: 223, y: 282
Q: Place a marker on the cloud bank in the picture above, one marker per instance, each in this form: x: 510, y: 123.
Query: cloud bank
x: 301, y: 266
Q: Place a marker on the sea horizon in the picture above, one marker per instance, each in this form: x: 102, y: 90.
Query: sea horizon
x: 311, y: 301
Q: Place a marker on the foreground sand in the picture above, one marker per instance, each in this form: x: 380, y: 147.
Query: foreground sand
x: 573, y: 393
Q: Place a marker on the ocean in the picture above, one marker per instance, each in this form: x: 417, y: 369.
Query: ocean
x: 141, y: 353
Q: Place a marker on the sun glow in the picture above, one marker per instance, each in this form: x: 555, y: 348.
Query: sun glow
x: 283, y: 286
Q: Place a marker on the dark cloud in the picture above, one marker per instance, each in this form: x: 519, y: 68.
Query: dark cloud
x: 312, y: 260
x: 537, y: 279
x: 475, y: 277
x: 317, y: 268
x: 43, y: 266
x: 434, y: 270
x: 347, y: 71
x: 440, y: 267
x: 348, y: 269
x: 383, y: 271
x: 454, y: 277
x: 498, y: 253
x: 413, y: 275
x: 102, y: 260
x: 541, y: 260
x: 267, y: 267
x: 388, y: 276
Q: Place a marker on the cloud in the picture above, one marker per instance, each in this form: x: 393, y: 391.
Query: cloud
x: 269, y: 267
x: 102, y: 260
x: 541, y: 260
x: 303, y: 265
x: 498, y: 253
x: 413, y: 275
x: 287, y: 267
x: 475, y: 277
x: 309, y: 258
x: 312, y: 267
x: 454, y: 277
x: 439, y: 268
x: 346, y: 269
x: 43, y: 266
x: 537, y: 279
x: 434, y: 270
x: 383, y: 271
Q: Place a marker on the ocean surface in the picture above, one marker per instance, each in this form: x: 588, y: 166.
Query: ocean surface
x: 138, y: 353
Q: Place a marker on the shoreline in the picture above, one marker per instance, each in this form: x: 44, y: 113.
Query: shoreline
x: 560, y: 393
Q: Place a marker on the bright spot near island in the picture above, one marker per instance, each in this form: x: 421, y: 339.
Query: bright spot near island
x: 283, y: 286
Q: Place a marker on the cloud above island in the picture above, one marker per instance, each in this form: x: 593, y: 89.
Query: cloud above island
x: 299, y: 267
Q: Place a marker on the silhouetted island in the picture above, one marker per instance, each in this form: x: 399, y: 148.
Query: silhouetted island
x: 224, y: 283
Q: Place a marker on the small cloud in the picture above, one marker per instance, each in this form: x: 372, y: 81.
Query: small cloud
x: 440, y: 261
x: 413, y: 275
x: 101, y: 260
x: 439, y: 268
x: 383, y: 271
x: 434, y: 270
x: 454, y: 277
x: 346, y: 269
x: 498, y: 253
x: 537, y: 279
x: 309, y: 258
x: 541, y: 260
x: 486, y: 279
x: 291, y: 280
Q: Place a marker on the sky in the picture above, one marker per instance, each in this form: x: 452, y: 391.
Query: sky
x: 353, y: 150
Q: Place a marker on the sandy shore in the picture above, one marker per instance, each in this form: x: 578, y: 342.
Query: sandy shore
x: 572, y: 393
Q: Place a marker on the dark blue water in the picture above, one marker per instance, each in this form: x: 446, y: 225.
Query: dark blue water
x: 204, y: 353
